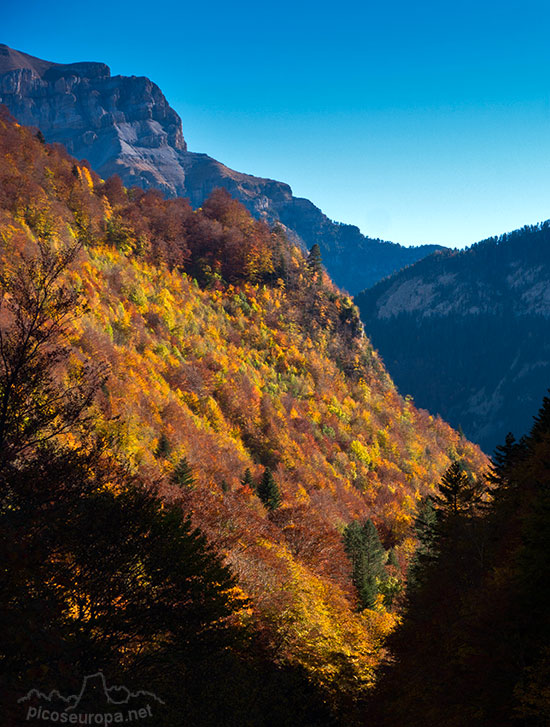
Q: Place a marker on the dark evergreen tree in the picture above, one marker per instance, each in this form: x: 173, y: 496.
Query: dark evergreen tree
x: 541, y: 425
x: 373, y: 564
x: 280, y: 253
x: 458, y: 492
x: 163, y: 447
x: 425, y: 523
x: 247, y: 480
x: 268, y: 491
x: 314, y: 261
x: 374, y: 551
x: 40, y: 137
x: 506, y: 458
x: 366, y: 552
x: 183, y: 475
x: 503, y: 454
x: 392, y: 559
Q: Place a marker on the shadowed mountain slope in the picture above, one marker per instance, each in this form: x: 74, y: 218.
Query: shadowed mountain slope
x: 467, y: 333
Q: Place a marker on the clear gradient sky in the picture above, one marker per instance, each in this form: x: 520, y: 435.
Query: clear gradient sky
x: 417, y: 121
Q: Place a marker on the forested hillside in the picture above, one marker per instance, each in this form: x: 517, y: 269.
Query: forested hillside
x: 479, y: 591
x: 467, y: 333
x: 219, y: 371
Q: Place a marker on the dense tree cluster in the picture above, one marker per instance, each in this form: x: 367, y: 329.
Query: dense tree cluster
x: 237, y: 385
x: 480, y: 592
x: 97, y: 572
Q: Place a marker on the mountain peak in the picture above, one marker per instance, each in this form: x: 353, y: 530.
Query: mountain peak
x: 124, y: 125
x: 15, y: 60
x: 12, y: 60
x: 119, y: 124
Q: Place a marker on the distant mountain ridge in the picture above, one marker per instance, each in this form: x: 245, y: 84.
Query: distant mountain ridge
x: 467, y: 333
x: 124, y: 125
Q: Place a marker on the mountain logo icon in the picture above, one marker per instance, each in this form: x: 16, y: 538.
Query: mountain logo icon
x: 94, y: 699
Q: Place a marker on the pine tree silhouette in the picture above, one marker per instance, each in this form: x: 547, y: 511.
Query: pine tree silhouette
x: 268, y: 491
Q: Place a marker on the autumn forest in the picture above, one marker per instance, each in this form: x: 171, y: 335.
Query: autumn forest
x: 212, y: 489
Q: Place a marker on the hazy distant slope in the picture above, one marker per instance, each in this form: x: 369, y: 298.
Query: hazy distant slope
x: 468, y: 333
x: 124, y: 125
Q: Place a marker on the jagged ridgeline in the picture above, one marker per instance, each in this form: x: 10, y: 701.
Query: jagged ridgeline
x: 242, y: 385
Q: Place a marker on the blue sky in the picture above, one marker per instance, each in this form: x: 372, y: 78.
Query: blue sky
x: 417, y: 121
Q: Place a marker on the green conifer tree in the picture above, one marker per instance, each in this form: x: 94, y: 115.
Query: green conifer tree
x: 541, y: 424
x: 314, y: 261
x: 183, y: 475
x: 268, y: 491
x: 373, y: 549
x: 163, y: 447
x: 247, y: 480
x: 392, y: 559
x: 367, y: 556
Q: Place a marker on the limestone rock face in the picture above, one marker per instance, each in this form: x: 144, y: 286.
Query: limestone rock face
x: 124, y: 125
x: 119, y: 124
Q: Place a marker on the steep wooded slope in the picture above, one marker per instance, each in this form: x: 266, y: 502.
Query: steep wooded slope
x: 227, y: 352
x: 467, y: 333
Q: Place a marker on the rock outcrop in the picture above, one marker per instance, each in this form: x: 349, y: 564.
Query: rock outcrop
x: 120, y: 125
x: 124, y: 125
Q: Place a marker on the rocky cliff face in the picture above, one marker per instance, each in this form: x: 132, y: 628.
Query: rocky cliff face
x: 120, y: 125
x: 468, y: 333
x: 124, y: 125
